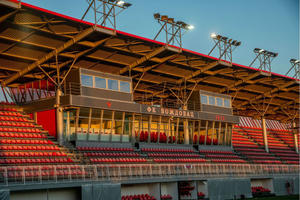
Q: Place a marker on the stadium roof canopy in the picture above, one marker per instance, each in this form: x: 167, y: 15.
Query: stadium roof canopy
x: 32, y: 38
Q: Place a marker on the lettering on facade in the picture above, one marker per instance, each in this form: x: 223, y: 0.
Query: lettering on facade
x: 170, y: 112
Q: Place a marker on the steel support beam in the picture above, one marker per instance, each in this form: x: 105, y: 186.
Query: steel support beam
x: 59, y: 118
x: 198, y: 72
x: 265, y: 134
x: 266, y: 94
x: 66, y: 45
x: 295, y: 134
x: 142, y: 59
x: 240, y: 82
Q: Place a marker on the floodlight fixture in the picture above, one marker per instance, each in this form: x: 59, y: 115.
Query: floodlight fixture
x: 180, y: 23
x: 294, y: 61
x: 156, y: 16
x: 295, y: 67
x: 265, y: 58
x: 120, y: 3
x: 190, y: 27
x: 108, y: 9
x: 225, y: 46
x: 213, y: 35
x: 164, y: 18
x: 172, y: 28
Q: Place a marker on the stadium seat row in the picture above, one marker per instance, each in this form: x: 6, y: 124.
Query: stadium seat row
x: 23, y: 147
x: 118, y: 160
x: 16, y: 124
x: 16, y: 119
x: 104, y: 149
x: 22, y: 135
x: 131, y: 154
x: 31, y: 154
x: 33, y: 161
x: 12, y: 141
x: 176, y: 160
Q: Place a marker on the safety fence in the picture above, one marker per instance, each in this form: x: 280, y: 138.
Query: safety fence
x: 16, y: 175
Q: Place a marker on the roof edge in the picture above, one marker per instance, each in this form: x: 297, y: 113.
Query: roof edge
x: 142, y: 38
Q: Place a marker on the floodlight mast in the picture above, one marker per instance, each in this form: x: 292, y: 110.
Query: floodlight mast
x: 265, y: 58
x: 296, y: 66
x: 106, y: 11
x: 225, y: 46
x: 173, y: 29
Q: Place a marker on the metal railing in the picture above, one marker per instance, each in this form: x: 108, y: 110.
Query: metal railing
x: 12, y: 175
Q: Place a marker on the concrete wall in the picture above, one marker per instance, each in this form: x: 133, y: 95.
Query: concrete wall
x: 4, y: 194
x: 193, y: 192
x: 53, y: 194
x: 280, y: 188
x: 220, y: 189
x: 266, y: 183
x: 170, y: 188
x: 152, y: 189
x: 202, y: 187
x: 105, y: 191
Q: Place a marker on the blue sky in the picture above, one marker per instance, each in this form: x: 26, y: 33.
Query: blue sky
x: 269, y: 24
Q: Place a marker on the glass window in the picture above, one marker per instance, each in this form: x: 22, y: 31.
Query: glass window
x: 86, y: 80
x: 112, y: 84
x: 124, y: 86
x: 219, y: 101
x: 227, y: 103
x: 203, y: 99
x: 100, y: 82
x: 211, y: 100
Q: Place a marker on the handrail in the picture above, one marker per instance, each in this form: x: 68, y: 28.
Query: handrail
x: 16, y: 175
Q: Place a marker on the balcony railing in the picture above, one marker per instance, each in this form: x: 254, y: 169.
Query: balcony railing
x: 16, y: 175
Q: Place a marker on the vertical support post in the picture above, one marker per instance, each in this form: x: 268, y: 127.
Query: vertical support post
x: 230, y: 134
x: 295, y: 137
x: 112, y: 125
x: 193, y: 133
x: 169, y: 130
x: 177, y: 131
x: 77, y: 122
x: 140, y: 121
x: 219, y: 134
x: 213, y: 133
x: 206, y: 133
x: 59, y: 118
x: 158, y: 130
x: 35, y: 117
x: 149, y: 129
x: 132, y: 135
x: 68, y: 126
x: 89, y: 123
x: 186, y: 131
x: 225, y: 133
x: 199, y: 132
x: 186, y: 128
x: 264, y: 127
x: 101, y: 124
x: 122, y: 127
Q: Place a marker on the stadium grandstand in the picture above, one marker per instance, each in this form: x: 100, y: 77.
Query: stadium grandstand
x: 91, y: 112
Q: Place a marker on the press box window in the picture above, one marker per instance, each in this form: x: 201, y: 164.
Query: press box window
x: 211, y: 100
x: 203, y: 99
x: 219, y: 101
x: 113, y: 84
x: 124, y: 86
x: 86, y: 80
x: 100, y: 83
x: 226, y: 103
